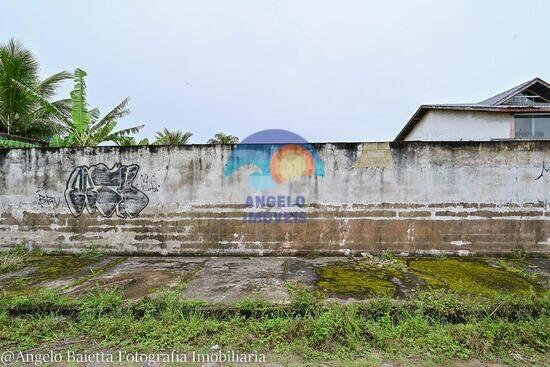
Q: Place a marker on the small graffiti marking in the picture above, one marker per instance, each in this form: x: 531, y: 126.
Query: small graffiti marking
x: 44, y: 199
x: 149, y: 183
x: 544, y: 173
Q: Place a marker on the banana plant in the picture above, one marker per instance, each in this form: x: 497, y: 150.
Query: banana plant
x: 84, y: 127
x: 17, y: 141
x: 8, y: 143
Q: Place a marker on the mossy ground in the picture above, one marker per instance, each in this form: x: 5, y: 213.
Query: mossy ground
x: 475, y: 276
x: 46, y: 268
x: 460, y: 310
x: 37, y: 271
x: 366, y: 279
x: 358, y: 280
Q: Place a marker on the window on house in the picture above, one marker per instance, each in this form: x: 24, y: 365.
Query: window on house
x: 527, y: 97
x: 532, y: 127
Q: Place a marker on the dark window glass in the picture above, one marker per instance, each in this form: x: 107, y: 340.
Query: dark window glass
x: 542, y: 127
x: 528, y: 127
x: 524, y: 128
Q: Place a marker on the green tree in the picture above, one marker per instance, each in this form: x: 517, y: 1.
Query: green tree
x: 167, y: 137
x: 224, y: 139
x: 131, y: 141
x: 15, y: 141
x: 20, y: 112
x: 84, y: 127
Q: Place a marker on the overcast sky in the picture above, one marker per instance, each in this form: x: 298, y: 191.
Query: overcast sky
x: 327, y: 70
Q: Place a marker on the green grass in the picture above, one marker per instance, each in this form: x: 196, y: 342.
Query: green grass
x: 13, y: 259
x: 467, y: 309
x: 91, y: 252
x: 433, y: 328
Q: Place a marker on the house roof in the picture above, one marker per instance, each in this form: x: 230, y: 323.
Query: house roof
x: 497, y: 103
x: 537, y: 85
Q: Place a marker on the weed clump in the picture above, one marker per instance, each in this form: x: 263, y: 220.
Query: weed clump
x: 14, y: 259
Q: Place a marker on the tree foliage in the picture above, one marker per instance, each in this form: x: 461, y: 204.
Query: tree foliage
x: 131, y: 141
x: 20, y: 112
x: 167, y: 137
x: 224, y: 139
x: 84, y: 127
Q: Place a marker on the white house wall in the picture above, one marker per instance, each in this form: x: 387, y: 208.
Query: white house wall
x: 437, y: 125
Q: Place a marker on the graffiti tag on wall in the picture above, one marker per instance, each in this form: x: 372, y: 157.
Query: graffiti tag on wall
x: 105, y: 190
x: 149, y: 183
x: 45, y: 199
x: 545, y: 173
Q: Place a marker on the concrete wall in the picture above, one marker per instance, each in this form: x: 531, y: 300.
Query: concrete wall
x: 408, y: 197
x: 442, y: 125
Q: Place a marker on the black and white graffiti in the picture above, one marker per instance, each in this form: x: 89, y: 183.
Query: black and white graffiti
x: 545, y: 173
x: 45, y: 200
x: 149, y: 183
x: 105, y: 190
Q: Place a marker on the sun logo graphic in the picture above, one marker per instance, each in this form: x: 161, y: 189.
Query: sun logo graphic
x: 276, y: 157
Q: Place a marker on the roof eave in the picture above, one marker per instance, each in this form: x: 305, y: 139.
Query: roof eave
x: 411, y: 123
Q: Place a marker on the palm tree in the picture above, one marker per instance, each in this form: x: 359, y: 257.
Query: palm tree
x: 131, y: 141
x: 167, y: 137
x: 224, y: 139
x: 84, y: 127
x: 20, y: 113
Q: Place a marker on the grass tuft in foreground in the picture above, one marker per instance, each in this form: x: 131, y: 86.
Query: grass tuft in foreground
x: 435, y: 327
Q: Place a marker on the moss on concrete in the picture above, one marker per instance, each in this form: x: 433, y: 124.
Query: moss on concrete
x: 358, y: 280
x: 470, y: 276
x: 137, y: 285
x: 367, y: 279
x: 55, y: 267
x: 98, y: 270
x: 45, y: 268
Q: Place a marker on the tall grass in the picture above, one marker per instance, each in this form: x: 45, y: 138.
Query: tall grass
x: 434, y: 326
x: 13, y: 259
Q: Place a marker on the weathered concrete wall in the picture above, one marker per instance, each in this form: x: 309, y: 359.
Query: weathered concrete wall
x: 444, y: 125
x: 466, y: 198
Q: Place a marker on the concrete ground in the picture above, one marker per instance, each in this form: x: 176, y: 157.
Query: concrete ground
x: 228, y: 279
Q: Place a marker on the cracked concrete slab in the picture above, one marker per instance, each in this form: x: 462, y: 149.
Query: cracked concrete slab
x: 226, y: 280
x: 229, y: 279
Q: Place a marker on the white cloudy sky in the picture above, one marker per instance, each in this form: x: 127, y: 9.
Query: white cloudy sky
x: 328, y: 70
